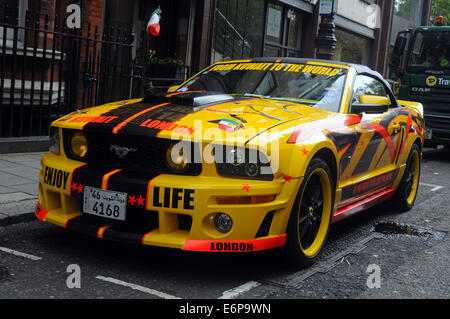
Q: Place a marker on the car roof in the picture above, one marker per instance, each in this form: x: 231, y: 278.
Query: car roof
x: 359, y: 68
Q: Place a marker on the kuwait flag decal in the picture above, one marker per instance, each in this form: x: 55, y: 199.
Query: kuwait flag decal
x: 153, y: 26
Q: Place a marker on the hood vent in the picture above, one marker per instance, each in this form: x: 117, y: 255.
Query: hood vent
x: 196, y: 100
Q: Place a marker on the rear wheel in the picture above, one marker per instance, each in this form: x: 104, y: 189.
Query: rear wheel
x: 406, y: 194
x: 310, y: 218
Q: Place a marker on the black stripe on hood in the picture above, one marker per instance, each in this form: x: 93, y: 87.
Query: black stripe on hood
x: 179, y: 106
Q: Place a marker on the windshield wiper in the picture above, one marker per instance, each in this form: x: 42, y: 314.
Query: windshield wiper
x: 295, y: 100
x: 257, y: 95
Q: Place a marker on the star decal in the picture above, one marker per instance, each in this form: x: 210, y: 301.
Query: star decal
x: 246, y: 187
x: 305, y: 152
x: 132, y: 200
x: 80, y: 188
x: 288, y: 178
x: 74, y: 187
x: 140, y: 201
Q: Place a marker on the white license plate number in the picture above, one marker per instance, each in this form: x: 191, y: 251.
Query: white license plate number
x: 428, y: 134
x: 107, y: 204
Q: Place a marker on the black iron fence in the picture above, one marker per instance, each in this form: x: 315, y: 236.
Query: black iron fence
x: 48, y: 70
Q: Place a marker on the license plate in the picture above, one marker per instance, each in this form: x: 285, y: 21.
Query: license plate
x: 428, y: 134
x: 107, y: 204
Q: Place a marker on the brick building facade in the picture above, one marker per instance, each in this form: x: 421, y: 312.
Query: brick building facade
x: 48, y: 70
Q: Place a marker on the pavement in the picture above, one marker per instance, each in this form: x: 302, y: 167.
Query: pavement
x: 411, y: 251
x: 19, y: 176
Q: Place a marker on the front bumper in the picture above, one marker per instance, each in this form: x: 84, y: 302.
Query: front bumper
x: 439, y: 124
x: 174, y: 221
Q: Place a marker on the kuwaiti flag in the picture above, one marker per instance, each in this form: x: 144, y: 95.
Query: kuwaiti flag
x: 153, y: 26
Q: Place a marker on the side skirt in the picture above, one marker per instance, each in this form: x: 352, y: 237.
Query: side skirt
x: 367, y: 202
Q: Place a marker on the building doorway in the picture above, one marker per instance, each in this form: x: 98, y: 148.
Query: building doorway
x: 157, y: 62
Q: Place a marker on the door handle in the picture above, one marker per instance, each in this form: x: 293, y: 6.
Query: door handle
x: 397, y: 127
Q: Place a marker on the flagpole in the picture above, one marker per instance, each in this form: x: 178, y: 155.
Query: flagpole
x: 153, y: 29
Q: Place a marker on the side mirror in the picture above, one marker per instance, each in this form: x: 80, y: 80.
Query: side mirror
x: 371, y: 104
x: 173, y: 88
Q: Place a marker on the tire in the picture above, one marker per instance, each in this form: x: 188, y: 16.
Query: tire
x: 311, y: 215
x: 406, y: 194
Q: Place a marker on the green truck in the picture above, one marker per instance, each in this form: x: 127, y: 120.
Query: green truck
x: 420, y: 71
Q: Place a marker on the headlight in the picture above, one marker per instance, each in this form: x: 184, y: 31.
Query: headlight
x: 54, y: 140
x: 242, y: 162
x: 177, y: 158
x: 79, y: 145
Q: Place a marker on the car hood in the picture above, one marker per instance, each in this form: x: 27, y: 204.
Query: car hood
x: 198, y: 116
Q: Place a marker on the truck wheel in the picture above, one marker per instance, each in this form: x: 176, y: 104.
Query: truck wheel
x: 311, y: 215
x: 407, y: 192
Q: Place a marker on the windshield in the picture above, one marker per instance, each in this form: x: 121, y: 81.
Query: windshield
x: 431, y: 49
x: 313, y: 85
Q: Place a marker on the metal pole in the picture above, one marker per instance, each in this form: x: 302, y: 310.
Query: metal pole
x: 326, y: 38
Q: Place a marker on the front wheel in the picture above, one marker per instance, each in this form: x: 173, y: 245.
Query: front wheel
x: 311, y: 215
x: 406, y: 194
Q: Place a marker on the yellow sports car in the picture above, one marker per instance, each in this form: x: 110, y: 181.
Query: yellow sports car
x: 244, y: 156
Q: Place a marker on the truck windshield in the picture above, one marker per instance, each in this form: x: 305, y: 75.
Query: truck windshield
x: 430, y: 49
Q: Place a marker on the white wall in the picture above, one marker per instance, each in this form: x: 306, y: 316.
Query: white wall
x: 357, y: 11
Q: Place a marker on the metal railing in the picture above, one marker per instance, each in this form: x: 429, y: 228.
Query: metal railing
x: 48, y: 70
x: 229, y: 41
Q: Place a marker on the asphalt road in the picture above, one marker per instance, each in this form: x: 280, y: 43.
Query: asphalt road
x: 411, y: 252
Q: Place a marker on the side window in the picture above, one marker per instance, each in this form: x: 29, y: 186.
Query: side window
x: 365, y: 85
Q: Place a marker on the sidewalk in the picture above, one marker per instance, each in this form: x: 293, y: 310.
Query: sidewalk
x: 19, y: 175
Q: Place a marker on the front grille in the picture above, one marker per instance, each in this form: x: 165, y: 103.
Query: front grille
x: 147, y: 155
x: 440, y: 92
x: 427, y: 91
x: 437, y: 120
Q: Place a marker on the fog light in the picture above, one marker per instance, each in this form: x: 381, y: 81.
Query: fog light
x: 79, y: 145
x: 223, y: 223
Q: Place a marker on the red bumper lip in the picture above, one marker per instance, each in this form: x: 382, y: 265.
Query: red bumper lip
x: 40, y: 213
x: 214, y: 246
x: 234, y: 246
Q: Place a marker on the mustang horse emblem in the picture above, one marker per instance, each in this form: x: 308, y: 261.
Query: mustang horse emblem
x: 120, y: 151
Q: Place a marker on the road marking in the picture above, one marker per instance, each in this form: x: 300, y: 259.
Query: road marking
x: 435, y: 187
x: 19, y: 254
x: 235, y: 292
x: 137, y: 287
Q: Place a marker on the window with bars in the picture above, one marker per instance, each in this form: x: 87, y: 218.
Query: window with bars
x: 239, y: 28
x: 12, y: 12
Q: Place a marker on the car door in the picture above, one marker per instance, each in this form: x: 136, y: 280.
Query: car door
x: 373, y: 164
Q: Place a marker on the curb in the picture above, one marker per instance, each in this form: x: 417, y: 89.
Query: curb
x: 6, y: 220
x: 22, y: 212
x: 24, y: 144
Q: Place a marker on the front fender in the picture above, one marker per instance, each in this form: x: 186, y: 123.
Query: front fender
x: 290, y: 160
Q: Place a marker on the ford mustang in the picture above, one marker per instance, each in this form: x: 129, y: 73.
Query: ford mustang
x: 245, y: 156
